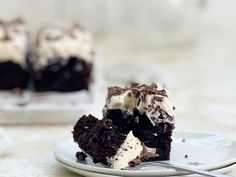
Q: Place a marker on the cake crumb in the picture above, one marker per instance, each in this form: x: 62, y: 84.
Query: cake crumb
x: 81, y: 156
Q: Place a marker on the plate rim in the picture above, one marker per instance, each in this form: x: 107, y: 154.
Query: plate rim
x: 227, y: 167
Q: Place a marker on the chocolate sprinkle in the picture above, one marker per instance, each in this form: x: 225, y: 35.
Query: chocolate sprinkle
x: 139, y: 91
x: 129, y: 94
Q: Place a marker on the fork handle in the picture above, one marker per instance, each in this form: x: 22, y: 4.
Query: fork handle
x: 189, y: 169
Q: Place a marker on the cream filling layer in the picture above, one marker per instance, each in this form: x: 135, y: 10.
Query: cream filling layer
x: 131, y: 149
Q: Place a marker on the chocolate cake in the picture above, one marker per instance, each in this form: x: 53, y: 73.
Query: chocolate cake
x: 106, y: 143
x: 138, y: 113
x: 13, y: 54
x: 62, y: 60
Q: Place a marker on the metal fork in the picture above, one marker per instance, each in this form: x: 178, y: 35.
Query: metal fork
x: 178, y: 168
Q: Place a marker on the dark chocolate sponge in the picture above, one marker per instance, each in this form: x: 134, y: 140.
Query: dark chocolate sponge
x: 98, y: 138
x: 75, y: 75
x: 12, y: 76
x: 158, y: 136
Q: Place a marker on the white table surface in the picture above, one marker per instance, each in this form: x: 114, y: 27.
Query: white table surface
x: 201, y: 76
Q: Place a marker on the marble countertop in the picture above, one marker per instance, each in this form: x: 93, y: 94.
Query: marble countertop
x: 200, y: 74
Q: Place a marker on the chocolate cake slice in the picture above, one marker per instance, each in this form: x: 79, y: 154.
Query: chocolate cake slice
x: 137, y: 126
x: 62, y: 60
x: 13, y: 54
x: 146, y: 111
x: 107, y: 144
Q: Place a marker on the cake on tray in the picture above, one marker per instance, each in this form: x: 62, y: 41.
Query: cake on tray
x: 13, y: 54
x: 137, y: 126
x: 62, y: 59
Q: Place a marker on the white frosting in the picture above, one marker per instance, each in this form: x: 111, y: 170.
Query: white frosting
x: 131, y: 149
x: 164, y: 105
x: 53, y: 42
x: 122, y: 101
x: 127, y: 100
x: 151, y: 150
x: 14, y: 48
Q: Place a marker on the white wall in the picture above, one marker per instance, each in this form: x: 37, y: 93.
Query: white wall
x: 120, y: 15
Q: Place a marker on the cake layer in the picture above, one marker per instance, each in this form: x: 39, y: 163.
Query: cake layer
x: 156, y: 137
x: 12, y: 76
x: 75, y: 75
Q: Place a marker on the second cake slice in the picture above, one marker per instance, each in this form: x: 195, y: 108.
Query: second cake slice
x: 147, y: 111
x: 62, y: 60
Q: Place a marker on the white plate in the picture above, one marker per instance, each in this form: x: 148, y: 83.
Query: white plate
x: 205, y: 151
x: 223, y: 170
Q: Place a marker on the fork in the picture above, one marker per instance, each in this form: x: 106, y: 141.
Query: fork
x: 178, y: 168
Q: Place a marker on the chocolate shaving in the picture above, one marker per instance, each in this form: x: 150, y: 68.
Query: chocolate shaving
x: 135, y: 162
x: 113, y: 91
x: 139, y: 101
x: 129, y: 94
x: 136, y: 92
x: 132, y: 85
x: 163, y: 92
x: 157, y: 98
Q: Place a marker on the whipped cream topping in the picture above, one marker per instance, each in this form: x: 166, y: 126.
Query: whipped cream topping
x: 13, y: 41
x: 130, y: 150
x: 54, y: 42
x: 147, y: 99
